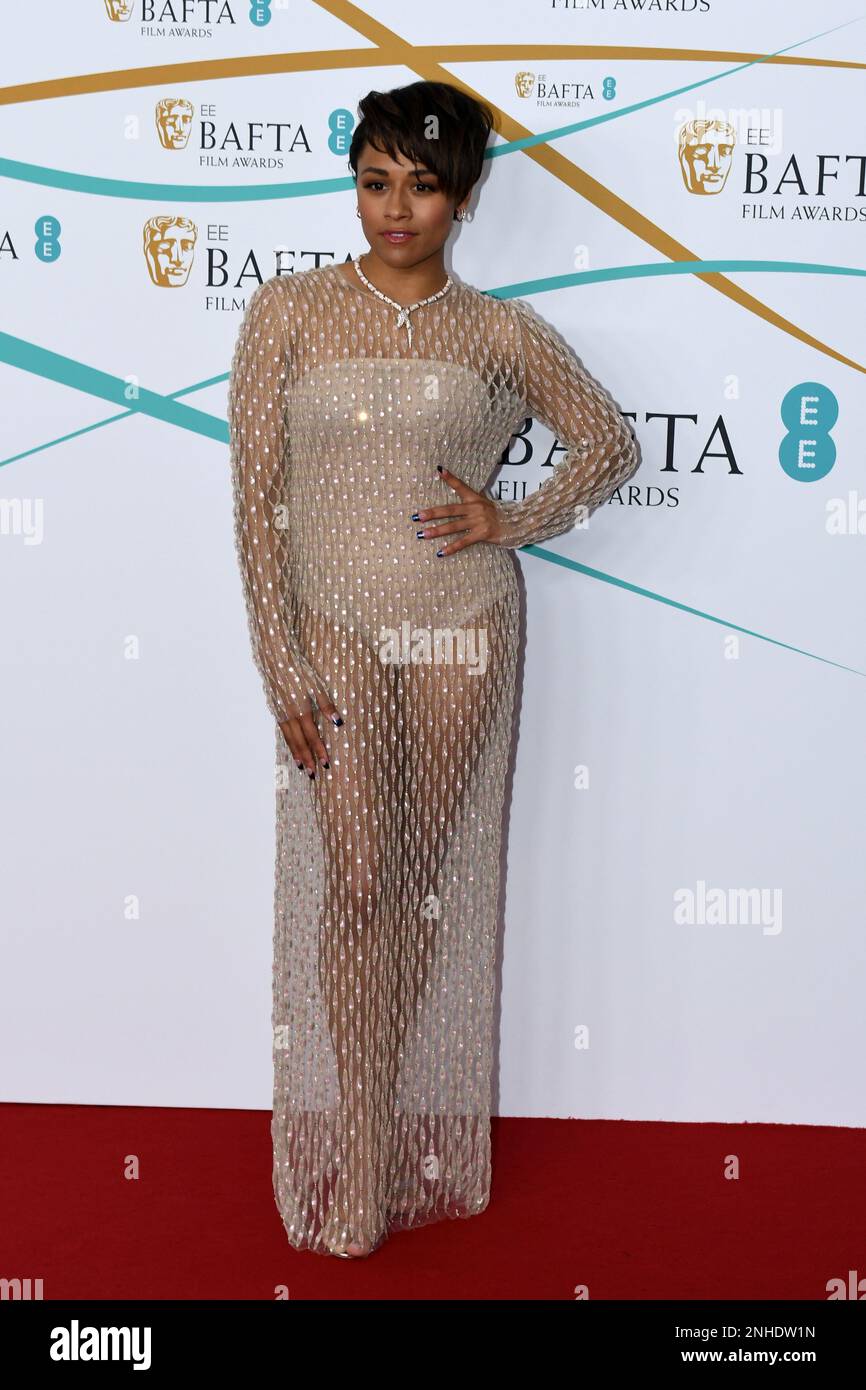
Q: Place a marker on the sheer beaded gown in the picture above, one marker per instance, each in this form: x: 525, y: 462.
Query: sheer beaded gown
x: 387, y: 864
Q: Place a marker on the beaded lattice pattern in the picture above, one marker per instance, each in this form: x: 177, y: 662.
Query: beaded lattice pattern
x: 388, y: 862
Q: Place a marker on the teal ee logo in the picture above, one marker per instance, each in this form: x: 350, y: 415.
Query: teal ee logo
x: 47, y: 231
x: 809, y: 412
x: 260, y: 13
x: 340, y: 124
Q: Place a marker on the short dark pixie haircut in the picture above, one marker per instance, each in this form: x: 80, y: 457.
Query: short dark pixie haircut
x: 398, y: 121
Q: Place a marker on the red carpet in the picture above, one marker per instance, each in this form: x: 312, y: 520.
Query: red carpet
x: 632, y: 1210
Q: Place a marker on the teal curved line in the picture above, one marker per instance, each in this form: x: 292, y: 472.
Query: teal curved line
x: 189, y: 192
x: 237, y: 193
x: 527, y: 141
x: 556, y: 559
x: 53, y: 366
x: 648, y: 271
x: 110, y: 419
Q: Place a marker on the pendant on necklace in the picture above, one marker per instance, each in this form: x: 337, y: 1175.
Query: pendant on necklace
x: 403, y: 317
x: 403, y: 310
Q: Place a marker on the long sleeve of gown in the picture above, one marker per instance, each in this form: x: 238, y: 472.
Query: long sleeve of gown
x: 259, y: 454
x: 600, y: 448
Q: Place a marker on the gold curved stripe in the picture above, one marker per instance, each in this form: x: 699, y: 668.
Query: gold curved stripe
x: 391, y: 50
x: 576, y: 178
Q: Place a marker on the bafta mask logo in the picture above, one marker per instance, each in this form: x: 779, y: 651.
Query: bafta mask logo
x: 524, y: 83
x: 169, y: 247
x: 706, y: 149
x: 173, y: 122
x: 119, y: 10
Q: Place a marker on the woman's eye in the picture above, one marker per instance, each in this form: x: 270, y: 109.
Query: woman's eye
x: 377, y: 183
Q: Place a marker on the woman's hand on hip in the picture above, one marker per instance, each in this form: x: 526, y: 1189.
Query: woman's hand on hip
x: 473, y: 515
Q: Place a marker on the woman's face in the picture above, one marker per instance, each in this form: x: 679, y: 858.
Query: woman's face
x: 401, y: 196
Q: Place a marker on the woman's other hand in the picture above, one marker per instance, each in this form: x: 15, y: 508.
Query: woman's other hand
x: 303, y: 736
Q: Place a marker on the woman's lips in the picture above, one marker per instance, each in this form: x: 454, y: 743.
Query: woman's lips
x: 397, y: 237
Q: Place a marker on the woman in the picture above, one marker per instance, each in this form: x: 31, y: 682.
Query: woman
x: 369, y: 404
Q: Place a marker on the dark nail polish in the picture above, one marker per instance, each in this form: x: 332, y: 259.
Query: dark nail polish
x: 439, y: 467
x: 299, y: 764
x: 414, y: 517
x: 420, y: 535
x: 327, y: 765
x: 337, y: 721
x: 439, y: 552
x: 312, y: 774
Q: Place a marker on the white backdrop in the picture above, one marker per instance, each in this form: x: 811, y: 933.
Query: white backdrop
x: 692, y: 711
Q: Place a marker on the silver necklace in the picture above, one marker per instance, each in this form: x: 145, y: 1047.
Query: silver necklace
x: 403, y: 310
